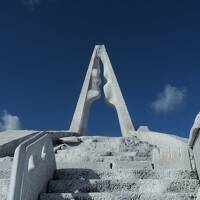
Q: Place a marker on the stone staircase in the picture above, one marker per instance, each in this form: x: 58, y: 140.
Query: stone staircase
x: 115, y: 168
x: 5, y: 172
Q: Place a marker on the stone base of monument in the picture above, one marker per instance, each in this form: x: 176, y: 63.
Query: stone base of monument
x: 116, y: 168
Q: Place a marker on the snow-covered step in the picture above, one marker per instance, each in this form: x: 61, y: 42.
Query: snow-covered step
x: 70, y: 174
x: 125, y: 153
x: 68, y: 154
x: 117, y: 196
x: 92, y: 156
x: 103, y: 153
x: 106, y: 165
x: 95, y: 139
x: 4, y: 186
x: 109, y: 158
x: 137, y: 185
x: 109, y: 144
x: 113, y: 140
x: 106, y: 147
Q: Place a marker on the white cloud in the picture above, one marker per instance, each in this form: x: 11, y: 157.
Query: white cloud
x: 9, y: 122
x: 169, y: 100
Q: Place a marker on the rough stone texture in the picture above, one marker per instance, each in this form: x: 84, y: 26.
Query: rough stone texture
x: 6, y: 163
x: 117, y: 196
x: 4, y: 185
x: 99, y: 149
x: 106, y: 165
x: 116, y: 168
x: 80, y: 173
x: 5, y: 172
x: 91, y: 92
x: 122, y: 185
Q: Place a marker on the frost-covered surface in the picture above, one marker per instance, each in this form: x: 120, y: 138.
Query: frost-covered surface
x: 124, y: 185
x: 82, y: 174
x: 116, y: 168
x: 4, y: 185
x: 100, y: 149
x: 5, y: 172
x: 185, y: 140
x: 171, y: 152
x: 6, y: 163
x: 117, y: 196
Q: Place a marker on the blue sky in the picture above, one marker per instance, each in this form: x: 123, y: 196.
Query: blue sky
x: 46, y: 45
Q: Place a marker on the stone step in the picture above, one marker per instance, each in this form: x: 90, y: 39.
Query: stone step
x: 97, y: 145
x: 112, y: 140
x: 109, y: 147
x: 106, y: 139
x: 107, y: 158
x: 107, y: 153
x: 4, y: 186
x: 5, y: 174
x: 106, y: 165
x: 141, y: 186
x: 62, y: 150
x: 117, y: 196
x: 70, y: 174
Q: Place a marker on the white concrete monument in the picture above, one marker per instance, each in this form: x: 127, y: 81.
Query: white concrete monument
x: 91, y: 92
x: 149, y: 165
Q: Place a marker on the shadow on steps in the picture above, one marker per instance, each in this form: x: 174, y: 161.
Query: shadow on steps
x: 78, y: 186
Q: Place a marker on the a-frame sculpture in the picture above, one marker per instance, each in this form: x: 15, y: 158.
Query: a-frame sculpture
x: 91, y: 92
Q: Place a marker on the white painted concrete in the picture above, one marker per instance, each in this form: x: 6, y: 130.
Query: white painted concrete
x: 91, y: 92
x: 194, y: 142
x: 170, y: 152
x: 9, y: 140
x: 33, y: 165
x: 194, y: 130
